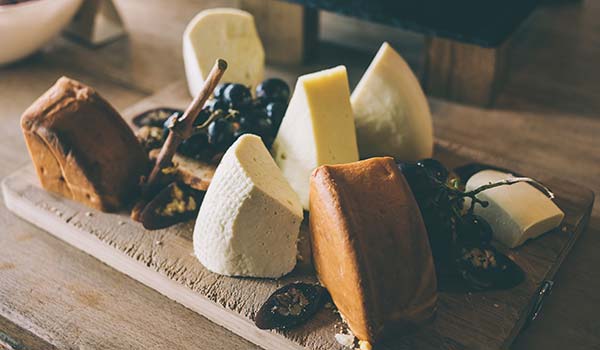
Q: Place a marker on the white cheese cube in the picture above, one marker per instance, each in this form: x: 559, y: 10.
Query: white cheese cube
x: 516, y: 212
x: 390, y: 110
x: 318, y: 128
x: 250, y: 218
x: 224, y: 33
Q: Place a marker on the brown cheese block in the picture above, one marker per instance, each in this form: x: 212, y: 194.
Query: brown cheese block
x: 370, y: 246
x: 81, y: 147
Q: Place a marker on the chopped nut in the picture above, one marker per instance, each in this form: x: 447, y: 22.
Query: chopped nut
x: 178, y: 205
x: 150, y: 137
x: 169, y: 170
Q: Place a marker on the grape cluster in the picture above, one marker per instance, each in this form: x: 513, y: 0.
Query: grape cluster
x: 233, y: 111
x: 460, y: 240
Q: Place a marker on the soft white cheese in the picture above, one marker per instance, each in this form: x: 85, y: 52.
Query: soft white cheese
x: 517, y: 212
x: 223, y: 33
x: 391, y: 111
x: 318, y: 128
x: 250, y: 218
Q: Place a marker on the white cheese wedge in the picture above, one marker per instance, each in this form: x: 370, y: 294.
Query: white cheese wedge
x: 250, y: 218
x: 318, y: 128
x: 223, y: 33
x: 517, y: 212
x: 391, y: 111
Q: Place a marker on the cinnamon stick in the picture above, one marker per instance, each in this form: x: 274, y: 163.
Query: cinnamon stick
x: 181, y: 129
x: 184, y: 125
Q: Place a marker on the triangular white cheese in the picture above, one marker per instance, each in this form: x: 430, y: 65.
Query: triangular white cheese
x: 391, y: 111
x: 250, y: 218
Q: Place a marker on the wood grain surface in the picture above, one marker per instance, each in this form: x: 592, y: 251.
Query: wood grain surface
x: 545, y: 121
x: 164, y: 261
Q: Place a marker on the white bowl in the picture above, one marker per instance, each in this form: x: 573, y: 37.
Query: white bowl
x: 26, y: 27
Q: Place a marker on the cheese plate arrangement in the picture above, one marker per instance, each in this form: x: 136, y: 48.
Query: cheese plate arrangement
x: 313, y: 218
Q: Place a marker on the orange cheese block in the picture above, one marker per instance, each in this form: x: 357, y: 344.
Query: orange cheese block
x: 81, y: 147
x: 370, y: 246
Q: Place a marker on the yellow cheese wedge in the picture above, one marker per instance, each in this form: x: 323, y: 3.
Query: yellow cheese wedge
x: 223, y: 33
x: 391, y: 111
x: 318, y: 128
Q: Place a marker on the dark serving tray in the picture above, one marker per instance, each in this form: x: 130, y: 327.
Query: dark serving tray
x: 482, y: 22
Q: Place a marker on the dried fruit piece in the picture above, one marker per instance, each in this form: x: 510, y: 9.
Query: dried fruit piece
x: 485, y: 268
x: 173, y: 204
x: 290, y: 306
x: 150, y: 137
x: 154, y: 117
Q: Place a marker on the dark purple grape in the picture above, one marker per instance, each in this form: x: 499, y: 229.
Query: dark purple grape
x: 241, y: 131
x: 167, y: 124
x: 291, y: 305
x: 418, y: 180
x: 263, y: 127
x: 237, y: 95
x: 434, y: 168
x: 473, y: 230
x: 218, y: 93
x: 196, y: 146
x: 220, y: 134
x: 217, y: 104
x: 276, y: 111
x: 202, y: 116
x: 273, y: 89
x: 246, y: 121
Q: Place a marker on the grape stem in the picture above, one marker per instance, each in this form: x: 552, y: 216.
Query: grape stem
x: 459, y: 195
x: 218, y: 114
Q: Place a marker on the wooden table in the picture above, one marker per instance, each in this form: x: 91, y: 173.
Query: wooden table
x: 545, y: 120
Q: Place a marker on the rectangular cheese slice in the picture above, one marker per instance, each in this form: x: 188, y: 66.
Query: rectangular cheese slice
x: 391, y: 111
x: 250, y: 218
x: 318, y: 128
x: 517, y: 212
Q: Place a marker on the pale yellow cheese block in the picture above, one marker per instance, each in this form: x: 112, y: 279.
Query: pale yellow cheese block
x: 318, y: 128
x: 391, y: 111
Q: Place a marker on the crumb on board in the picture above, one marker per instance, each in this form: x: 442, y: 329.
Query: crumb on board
x: 345, y: 340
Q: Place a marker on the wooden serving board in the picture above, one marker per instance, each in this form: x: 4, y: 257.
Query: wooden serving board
x: 164, y: 261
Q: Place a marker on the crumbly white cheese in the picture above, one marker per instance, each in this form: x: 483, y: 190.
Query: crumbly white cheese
x: 224, y: 33
x: 318, y: 128
x: 517, y: 212
x: 250, y: 218
x: 391, y: 111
